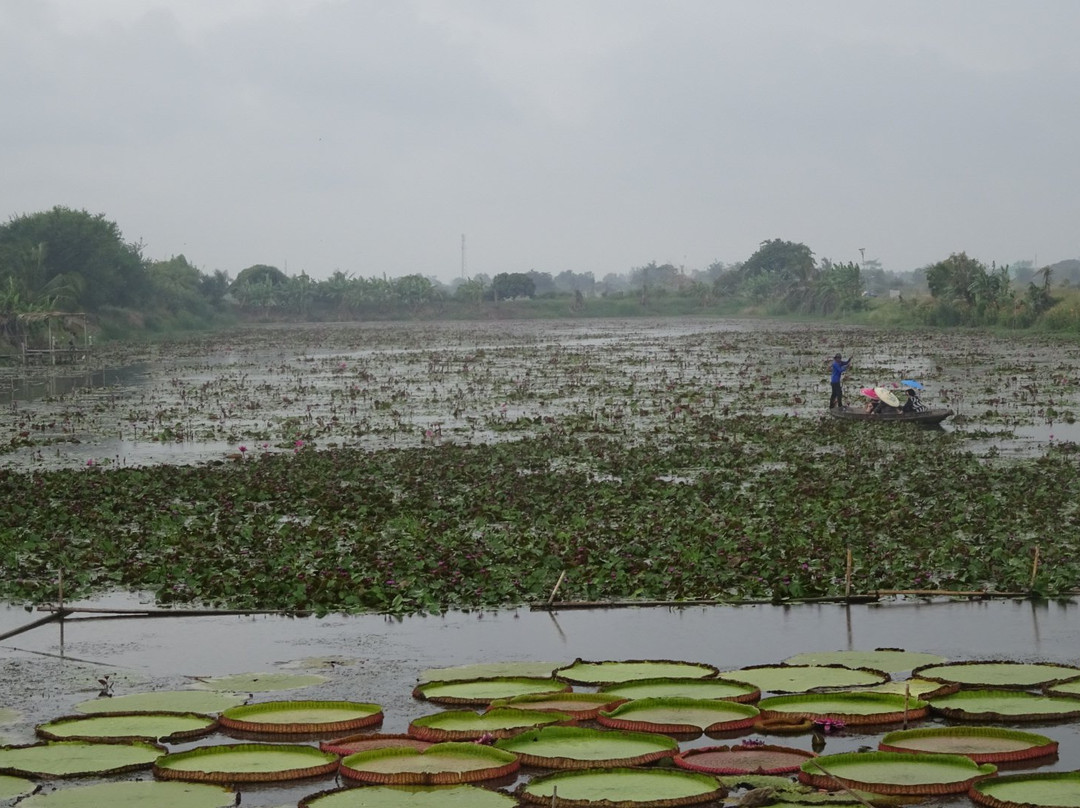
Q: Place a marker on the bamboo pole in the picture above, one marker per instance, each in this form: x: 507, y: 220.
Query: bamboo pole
x: 558, y: 583
x: 1035, y: 567
x: 171, y: 612
x: 57, y: 615
x: 847, y: 574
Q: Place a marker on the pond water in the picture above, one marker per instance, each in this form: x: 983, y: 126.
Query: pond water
x: 372, y: 658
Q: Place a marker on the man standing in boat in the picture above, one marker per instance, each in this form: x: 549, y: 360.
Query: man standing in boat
x: 839, y: 368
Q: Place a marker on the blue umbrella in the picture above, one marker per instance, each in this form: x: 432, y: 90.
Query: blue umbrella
x: 911, y: 383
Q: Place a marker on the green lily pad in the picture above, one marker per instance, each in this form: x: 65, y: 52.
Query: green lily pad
x: 77, y: 758
x: 1005, y: 705
x: 677, y: 716
x: 719, y: 688
x: 259, y: 682
x: 891, y: 660
x: 128, y: 726
x: 245, y: 763
x: 297, y: 717
x: 465, y: 725
x: 916, y: 688
x: 581, y: 747
x: 804, y: 678
x: 582, y: 706
x: 729, y: 760
x: 439, y: 764
x: 981, y: 744
x: 172, y: 701
x: 1070, y: 687
x: 362, y: 742
x: 895, y: 773
x: 485, y: 691
x: 410, y: 797
x: 12, y: 787
x: 853, y: 707
x: 614, y: 672
x: 623, y: 787
x: 135, y: 795
x: 1040, y: 790
x: 1022, y: 675
x: 487, y: 670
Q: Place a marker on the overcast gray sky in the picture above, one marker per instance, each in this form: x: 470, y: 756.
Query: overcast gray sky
x: 369, y: 135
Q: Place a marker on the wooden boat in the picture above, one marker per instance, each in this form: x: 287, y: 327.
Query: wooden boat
x: 920, y: 417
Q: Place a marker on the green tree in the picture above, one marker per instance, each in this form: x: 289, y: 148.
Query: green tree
x: 508, y: 285
x: 175, y: 284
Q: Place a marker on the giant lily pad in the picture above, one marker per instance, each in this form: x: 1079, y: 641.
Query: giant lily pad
x: 1041, y: 790
x: 748, y: 759
x: 719, y: 688
x: 259, y: 682
x: 895, y: 773
x: 1070, y: 687
x: 245, y: 763
x: 487, y: 670
x: 439, y: 764
x: 485, y: 691
x: 12, y: 787
x: 804, y: 678
x: 850, y: 707
x: 915, y: 688
x: 128, y: 727
x: 77, y: 758
x: 295, y: 717
x: 362, y: 742
x: 135, y: 795
x: 580, y: 747
x: 891, y: 660
x: 465, y: 725
x: 981, y: 744
x: 1005, y: 705
x: 171, y: 701
x: 678, y: 716
x: 410, y: 797
x: 1021, y: 675
x: 621, y: 788
x: 581, y: 706
x: 614, y: 672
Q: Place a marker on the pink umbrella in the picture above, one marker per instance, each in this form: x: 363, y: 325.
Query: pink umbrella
x: 869, y: 392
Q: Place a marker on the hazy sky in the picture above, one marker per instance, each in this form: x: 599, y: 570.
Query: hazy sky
x: 369, y: 135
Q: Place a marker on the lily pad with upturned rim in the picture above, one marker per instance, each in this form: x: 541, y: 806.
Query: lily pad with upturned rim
x: 806, y: 678
x: 246, y: 763
x: 992, y: 674
x: 622, y: 788
x: 465, y: 725
x: 409, y: 797
x: 895, y: 773
x: 439, y: 764
x: 113, y: 727
x: 581, y: 706
x: 981, y: 744
x: 77, y: 758
x: 485, y: 691
x: 12, y: 787
x: 610, y: 672
x: 1035, y: 790
x: 582, y: 747
x: 1070, y: 687
x: 677, y: 716
x: 851, y: 707
x: 487, y: 670
x: 916, y: 688
x: 727, y: 760
x: 891, y: 660
x: 1005, y: 705
x: 719, y: 689
x: 134, y: 794
x: 259, y: 682
x: 156, y: 701
x: 296, y: 717
x: 363, y: 742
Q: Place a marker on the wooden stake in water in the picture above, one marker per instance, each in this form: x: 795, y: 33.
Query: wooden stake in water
x: 847, y: 575
x: 1034, y: 567
x: 558, y: 583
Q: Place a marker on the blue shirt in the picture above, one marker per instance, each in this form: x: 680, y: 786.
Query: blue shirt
x: 838, y: 369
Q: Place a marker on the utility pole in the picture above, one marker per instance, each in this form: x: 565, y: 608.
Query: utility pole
x: 463, y: 275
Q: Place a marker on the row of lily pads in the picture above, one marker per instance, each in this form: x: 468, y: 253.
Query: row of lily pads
x: 530, y: 720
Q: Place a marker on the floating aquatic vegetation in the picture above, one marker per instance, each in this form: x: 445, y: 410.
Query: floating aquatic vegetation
x: 485, y: 691
x: 895, y: 773
x: 299, y: 717
x: 1005, y: 705
x: 845, y: 708
x: 724, y: 688
x: 763, y: 759
x: 891, y: 660
x: 173, y: 701
x: 981, y: 744
x: 362, y: 742
x: 245, y: 763
x: 623, y: 787
x: 678, y: 716
x: 464, y: 796
x: 465, y: 725
x: 804, y: 678
x: 612, y: 672
x: 150, y: 792
x: 132, y: 726
x: 77, y: 758
x: 977, y: 673
x: 582, y: 747
x: 1036, y: 790
x: 440, y: 764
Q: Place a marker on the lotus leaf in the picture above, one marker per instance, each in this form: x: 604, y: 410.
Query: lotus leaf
x: 676, y: 715
x: 12, y: 787
x: 613, y: 672
x: 803, y: 678
x: 448, y: 763
x: 77, y: 758
x: 1013, y: 705
x: 719, y: 688
x: 410, y: 797
x: 485, y: 691
x: 245, y: 763
x: 1041, y: 790
x: 572, y: 747
x: 998, y: 674
x: 259, y: 682
x: 895, y: 773
x: 140, y: 726
x: 135, y: 795
x: 981, y: 744
x: 891, y: 660
x: 487, y: 670
x: 173, y: 701
x: 622, y: 787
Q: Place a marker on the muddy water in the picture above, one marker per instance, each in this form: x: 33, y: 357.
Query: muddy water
x: 372, y: 658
